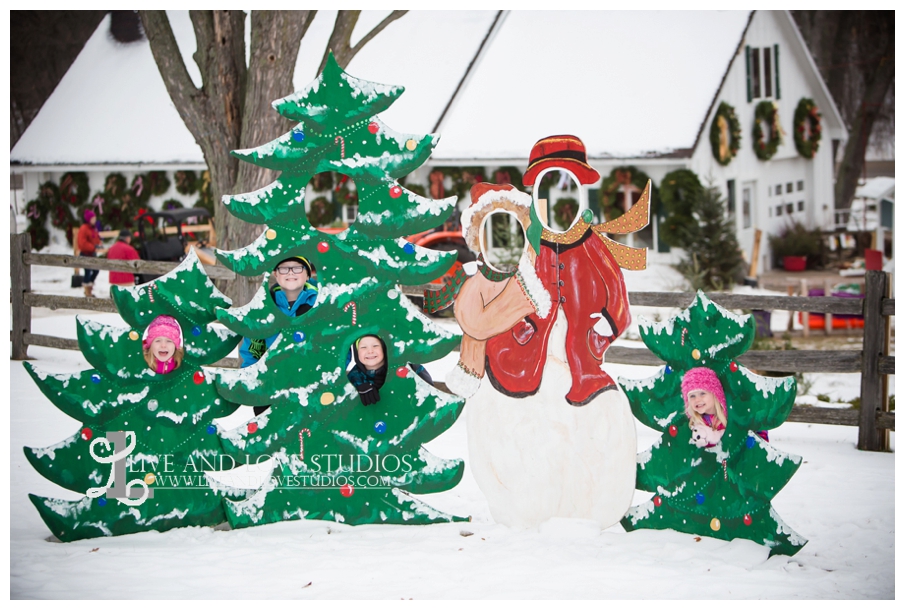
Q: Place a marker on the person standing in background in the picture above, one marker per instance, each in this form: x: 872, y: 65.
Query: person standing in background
x: 122, y: 250
x: 88, y: 241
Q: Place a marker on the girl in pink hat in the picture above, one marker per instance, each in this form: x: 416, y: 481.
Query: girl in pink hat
x: 705, y: 406
x: 162, y: 345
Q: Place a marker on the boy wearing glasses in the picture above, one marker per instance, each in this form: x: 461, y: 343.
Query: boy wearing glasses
x: 294, y: 293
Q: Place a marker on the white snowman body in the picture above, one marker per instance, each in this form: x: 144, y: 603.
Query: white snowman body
x: 538, y: 457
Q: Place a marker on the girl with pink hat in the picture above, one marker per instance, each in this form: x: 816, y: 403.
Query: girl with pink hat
x: 162, y: 345
x: 705, y: 406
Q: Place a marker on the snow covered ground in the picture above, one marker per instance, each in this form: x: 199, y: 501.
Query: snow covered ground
x: 841, y: 499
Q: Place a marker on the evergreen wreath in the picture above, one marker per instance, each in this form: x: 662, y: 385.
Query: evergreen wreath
x: 322, y: 181
x: 139, y: 191
x: 172, y: 204
x: 74, y: 188
x: 115, y: 185
x: 609, y: 195
x: 508, y: 175
x: 725, y: 115
x: 158, y: 183
x: 766, y: 112
x: 564, y: 211
x: 186, y: 182
x: 807, y: 128
x: 39, y: 234
x: 61, y: 215
x: 320, y: 212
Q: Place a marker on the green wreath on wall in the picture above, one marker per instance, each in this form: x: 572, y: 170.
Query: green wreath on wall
x: 678, y: 191
x: 74, y: 188
x: 609, y: 189
x: 320, y: 212
x: 186, y: 182
x: 807, y: 127
x: 725, y: 134
x: 767, y: 113
x: 564, y: 211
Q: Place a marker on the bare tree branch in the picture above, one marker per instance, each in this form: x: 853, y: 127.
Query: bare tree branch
x: 377, y: 29
x: 341, y: 36
x: 185, y: 96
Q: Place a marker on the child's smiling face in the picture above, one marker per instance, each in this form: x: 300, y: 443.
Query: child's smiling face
x: 294, y: 279
x: 370, y: 353
x: 162, y: 348
x: 702, y: 402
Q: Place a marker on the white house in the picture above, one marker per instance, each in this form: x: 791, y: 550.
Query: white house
x: 640, y: 88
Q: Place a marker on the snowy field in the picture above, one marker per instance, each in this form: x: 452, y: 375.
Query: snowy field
x: 841, y: 499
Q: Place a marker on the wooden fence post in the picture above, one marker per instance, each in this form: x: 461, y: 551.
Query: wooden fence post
x: 874, y: 343
x: 20, y: 284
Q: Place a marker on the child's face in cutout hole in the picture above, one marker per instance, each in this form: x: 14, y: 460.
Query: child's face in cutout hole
x: 293, y: 281
x: 702, y: 402
x: 370, y: 353
x: 162, y: 348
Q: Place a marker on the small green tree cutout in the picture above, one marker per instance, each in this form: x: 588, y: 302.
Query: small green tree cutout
x: 722, y: 491
x: 167, y: 419
x: 336, y: 459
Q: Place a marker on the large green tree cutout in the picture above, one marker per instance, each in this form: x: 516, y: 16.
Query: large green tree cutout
x: 169, y: 418
x: 336, y: 459
x: 722, y: 491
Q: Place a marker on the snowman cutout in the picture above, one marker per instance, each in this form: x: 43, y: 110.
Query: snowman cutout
x: 536, y: 451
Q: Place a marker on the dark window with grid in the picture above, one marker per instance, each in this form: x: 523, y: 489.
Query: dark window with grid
x: 730, y: 198
x: 755, y: 73
x: 788, y: 187
x: 779, y: 210
x: 790, y: 207
x: 801, y: 206
x: 800, y: 185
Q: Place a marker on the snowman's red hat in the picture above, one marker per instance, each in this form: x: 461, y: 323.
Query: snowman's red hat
x: 567, y: 152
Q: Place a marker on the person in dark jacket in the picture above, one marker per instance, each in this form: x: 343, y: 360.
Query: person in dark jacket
x: 367, y: 368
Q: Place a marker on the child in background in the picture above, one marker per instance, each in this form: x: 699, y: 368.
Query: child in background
x: 87, y: 240
x: 162, y: 345
x: 705, y: 406
x: 367, y: 368
x: 294, y: 293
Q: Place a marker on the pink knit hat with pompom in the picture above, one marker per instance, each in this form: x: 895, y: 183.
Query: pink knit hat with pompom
x: 163, y: 326
x: 702, y: 378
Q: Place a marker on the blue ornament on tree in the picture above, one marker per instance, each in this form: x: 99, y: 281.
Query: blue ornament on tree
x: 749, y: 442
x: 95, y: 378
x: 409, y: 248
x: 298, y: 336
x: 298, y: 136
x: 668, y: 369
x: 380, y: 427
x: 196, y: 330
x: 211, y: 429
x: 102, y: 501
x: 699, y: 498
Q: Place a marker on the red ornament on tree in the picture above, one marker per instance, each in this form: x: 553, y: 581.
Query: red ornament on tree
x: 395, y: 191
x: 402, y: 371
x: 87, y: 434
x: 347, y: 490
x: 733, y: 366
x: 746, y: 520
x: 323, y: 247
x: 198, y: 377
x: 673, y: 430
x: 252, y: 428
x: 658, y: 501
x: 373, y: 127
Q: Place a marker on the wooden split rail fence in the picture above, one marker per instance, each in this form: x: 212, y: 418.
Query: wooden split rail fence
x: 873, y: 361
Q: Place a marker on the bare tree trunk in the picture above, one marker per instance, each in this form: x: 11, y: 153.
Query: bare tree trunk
x: 853, y: 158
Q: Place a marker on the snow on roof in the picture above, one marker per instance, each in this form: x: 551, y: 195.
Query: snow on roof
x: 111, y: 107
x: 874, y: 188
x: 626, y: 82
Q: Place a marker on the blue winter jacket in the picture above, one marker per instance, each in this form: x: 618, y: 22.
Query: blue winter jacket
x: 305, y: 301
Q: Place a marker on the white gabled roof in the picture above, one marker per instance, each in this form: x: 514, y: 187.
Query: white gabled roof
x: 626, y: 82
